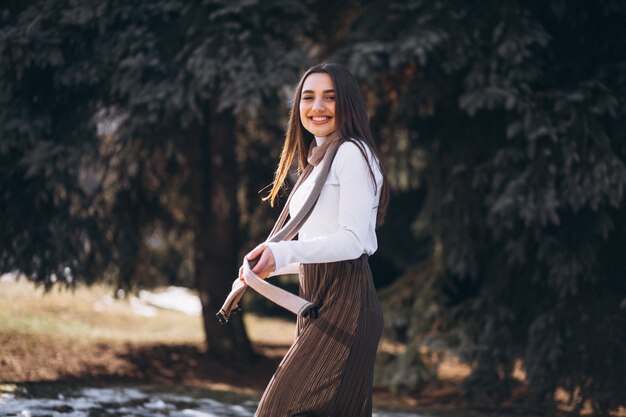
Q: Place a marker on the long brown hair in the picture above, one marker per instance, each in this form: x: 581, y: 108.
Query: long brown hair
x: 352, y: 124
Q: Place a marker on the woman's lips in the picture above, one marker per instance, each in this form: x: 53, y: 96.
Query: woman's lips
x: 319, y: 120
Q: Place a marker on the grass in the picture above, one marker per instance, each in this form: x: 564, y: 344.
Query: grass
x: 75, y: 315
x: 91, y: 314
x: 87, y: 336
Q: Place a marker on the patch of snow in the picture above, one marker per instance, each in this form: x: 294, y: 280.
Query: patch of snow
x: 157, y: 405
x: 174, y: 298
x: 112, y: 395
x: 147, y: 303
x: 137, y: 402
x: 243, y: 411
x: 5, y: 397
x: 9, y: 277
x: 70, y: 414
x: 142, y: 309
x: 29, y: 407
x: 196, y: 413
x: 81, y: 403
x: 104, y: 303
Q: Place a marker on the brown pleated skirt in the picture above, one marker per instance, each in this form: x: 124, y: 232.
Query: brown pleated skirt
x: 328, y: 371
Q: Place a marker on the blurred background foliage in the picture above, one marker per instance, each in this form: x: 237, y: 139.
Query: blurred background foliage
x: 135, y: 137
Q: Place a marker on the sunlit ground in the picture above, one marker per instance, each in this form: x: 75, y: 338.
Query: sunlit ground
x: 86, y: 334
x: 86, y: 337
x: 55, y: 347
x: 92, y: 314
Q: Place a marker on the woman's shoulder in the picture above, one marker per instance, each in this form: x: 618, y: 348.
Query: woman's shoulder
x: 355, y: 151
x: 355, y: 155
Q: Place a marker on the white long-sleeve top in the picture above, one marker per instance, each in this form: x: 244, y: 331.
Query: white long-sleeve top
x: 343, y: 221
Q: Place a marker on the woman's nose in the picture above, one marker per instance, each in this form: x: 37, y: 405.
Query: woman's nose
x: 318, y: 104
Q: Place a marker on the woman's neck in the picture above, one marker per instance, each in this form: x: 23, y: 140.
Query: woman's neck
x: 321, y: 139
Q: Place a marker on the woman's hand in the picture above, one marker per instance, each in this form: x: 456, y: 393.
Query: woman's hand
x: 265, y: 260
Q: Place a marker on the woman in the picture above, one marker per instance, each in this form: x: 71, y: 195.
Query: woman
x: 328, y: 371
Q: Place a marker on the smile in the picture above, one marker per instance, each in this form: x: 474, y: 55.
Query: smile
x: 320, y: 119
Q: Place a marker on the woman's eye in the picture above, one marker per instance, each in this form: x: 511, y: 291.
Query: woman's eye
x: 307, y: 98
x: 330, y: 98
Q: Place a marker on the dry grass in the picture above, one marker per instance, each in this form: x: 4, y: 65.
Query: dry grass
x: 90, y: 314
x: 85, y: 335
x: 74, y: 315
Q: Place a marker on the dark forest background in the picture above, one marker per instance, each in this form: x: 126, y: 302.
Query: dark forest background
x: 135, y: 137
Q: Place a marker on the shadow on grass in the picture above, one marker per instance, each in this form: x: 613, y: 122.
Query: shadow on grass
x: 174, y: 364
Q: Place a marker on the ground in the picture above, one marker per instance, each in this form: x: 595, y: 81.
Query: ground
x: 87, y: 337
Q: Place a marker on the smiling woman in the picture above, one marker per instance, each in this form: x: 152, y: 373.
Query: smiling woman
x: 328, y: 371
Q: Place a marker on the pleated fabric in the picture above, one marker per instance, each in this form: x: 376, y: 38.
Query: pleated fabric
x: 329, y: 369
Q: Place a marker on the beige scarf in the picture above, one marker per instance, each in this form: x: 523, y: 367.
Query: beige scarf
x: 322, y: 155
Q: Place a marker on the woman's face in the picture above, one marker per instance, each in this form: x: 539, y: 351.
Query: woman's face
x: 317, y: 104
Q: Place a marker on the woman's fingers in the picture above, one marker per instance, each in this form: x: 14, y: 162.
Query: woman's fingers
x: 265, y: 265
x: 265, y: 261
x: 269, y: 259
x: 259, y: 267
x: 256, y: 252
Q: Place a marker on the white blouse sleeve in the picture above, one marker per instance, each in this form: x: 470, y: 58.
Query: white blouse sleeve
x: 357, y: 198
x: 292, y: 268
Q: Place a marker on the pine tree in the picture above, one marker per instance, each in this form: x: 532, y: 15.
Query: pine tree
x: 167, y: 83
x: 510, y: 116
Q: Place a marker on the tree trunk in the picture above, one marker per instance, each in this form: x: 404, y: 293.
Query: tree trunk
x: 216, y: 228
